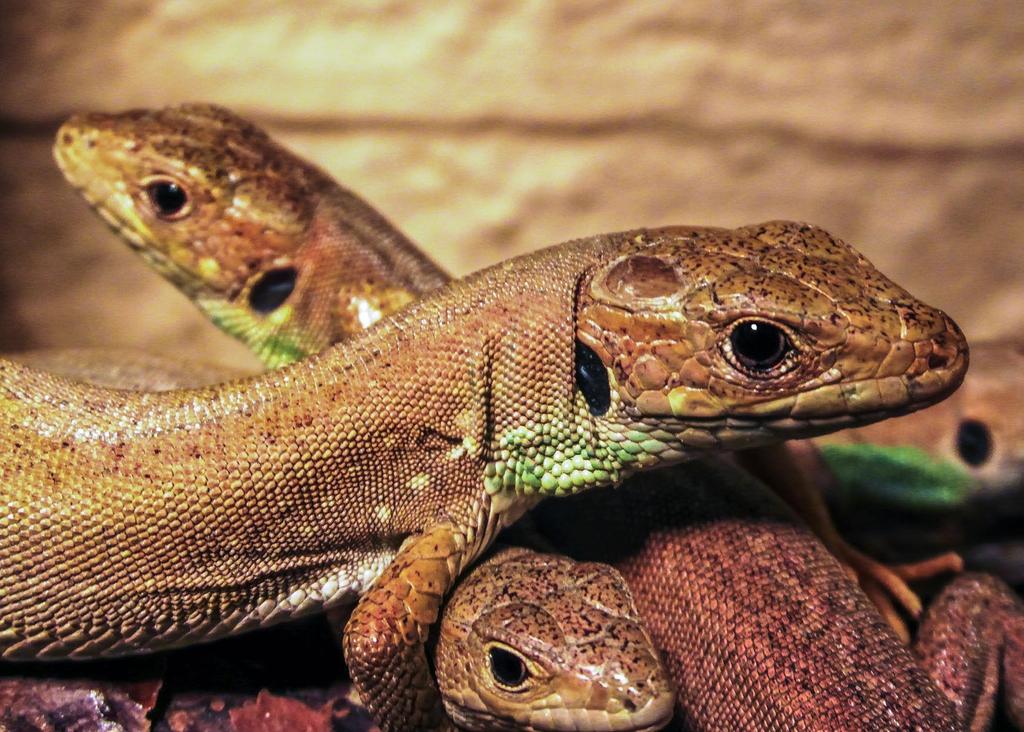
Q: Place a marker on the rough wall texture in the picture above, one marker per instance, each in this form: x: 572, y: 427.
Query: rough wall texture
x: 490, y: 128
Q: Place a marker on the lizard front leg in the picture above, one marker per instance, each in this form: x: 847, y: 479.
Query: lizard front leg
x: 385, y: 636
x: 971, y: 642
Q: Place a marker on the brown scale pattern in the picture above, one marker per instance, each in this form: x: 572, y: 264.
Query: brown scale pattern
x: 763, y: 630
x: 253, y: 207
x: 576, y: 628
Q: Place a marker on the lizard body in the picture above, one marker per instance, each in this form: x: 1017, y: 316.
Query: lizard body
x: 763, y: 630
x: 135, y: 522
x: 567, y: 633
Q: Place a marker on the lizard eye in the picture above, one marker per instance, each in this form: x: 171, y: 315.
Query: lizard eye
x: 272, y: 289
x: 973, y: 442
x: 757, y: 347
x: 507, y: 668
x: 592, y: 379
x: 168, y: 198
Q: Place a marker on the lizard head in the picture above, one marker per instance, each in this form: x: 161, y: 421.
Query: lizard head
x: 722, y: 339
x: 231, y: 218
x: 540, y: 642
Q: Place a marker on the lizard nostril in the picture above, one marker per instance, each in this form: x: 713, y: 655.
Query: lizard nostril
x: 937, y: 361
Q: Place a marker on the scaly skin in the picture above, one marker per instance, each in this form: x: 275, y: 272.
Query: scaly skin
x: 209, y: 152
x: 250, y: 210
x: 783, y: 640
x: 140, y: 521
x: 587, y: 662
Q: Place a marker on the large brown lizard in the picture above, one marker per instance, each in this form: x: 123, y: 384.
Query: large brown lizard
x: 779, y: 640
x: 528, y: 640
x: 221, y: 210
x: 139, y: 521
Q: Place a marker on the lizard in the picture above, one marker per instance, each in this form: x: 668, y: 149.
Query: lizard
x: 526, y: 634
x: 135, y: 522
x: 532, y: 641
x: 171, y: 181
x: 267, y: 245
x: 526, y: 640
x: 783, y: 640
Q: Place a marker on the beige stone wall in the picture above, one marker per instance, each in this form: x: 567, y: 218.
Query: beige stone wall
x: 489, y: 128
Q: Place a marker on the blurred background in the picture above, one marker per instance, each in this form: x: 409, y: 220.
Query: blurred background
x: 489, y: 128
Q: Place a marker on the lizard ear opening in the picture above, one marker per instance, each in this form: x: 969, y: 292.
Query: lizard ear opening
x: 973, y: 442
x: 272, y: 289
x: 592, y: 379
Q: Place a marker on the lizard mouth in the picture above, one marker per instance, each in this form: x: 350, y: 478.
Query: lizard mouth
x: 845, y: 405
x: 655, y: 714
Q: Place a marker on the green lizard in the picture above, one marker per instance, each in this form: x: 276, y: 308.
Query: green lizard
x: 139, y: 521
x: 172, y: 181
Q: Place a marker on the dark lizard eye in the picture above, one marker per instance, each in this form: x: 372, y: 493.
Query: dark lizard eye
x: 758, y: 346
x: 592, y: 379
x: 168, y: 198
x: 508, y: 669
x: 973, y: 442
x: 272, y: 289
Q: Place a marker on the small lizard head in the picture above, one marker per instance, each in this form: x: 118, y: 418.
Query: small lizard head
x: 540, y: 642
x: 231, y: 218
x: 200, y: 191
x: 732, y: 338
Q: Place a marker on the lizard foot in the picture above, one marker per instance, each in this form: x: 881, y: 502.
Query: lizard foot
x: 887, y: 585
x: 790, y: 472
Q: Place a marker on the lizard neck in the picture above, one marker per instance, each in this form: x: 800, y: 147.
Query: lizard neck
x: 403, y: 263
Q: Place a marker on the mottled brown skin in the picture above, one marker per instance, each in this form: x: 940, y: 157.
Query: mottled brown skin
x: 251, y: 208
x: 587, y: 661
x: 763, y: 630
x: 135, y: 522
x: 240, y: 206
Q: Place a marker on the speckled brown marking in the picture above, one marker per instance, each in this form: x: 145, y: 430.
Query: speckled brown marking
x: 590, y: 663
x: 255, y: 207
x: 259, y: 508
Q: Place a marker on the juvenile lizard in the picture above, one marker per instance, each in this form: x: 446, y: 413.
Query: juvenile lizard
x: 140, y: 521
x: 267, y: 245
x: 172, y: 181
